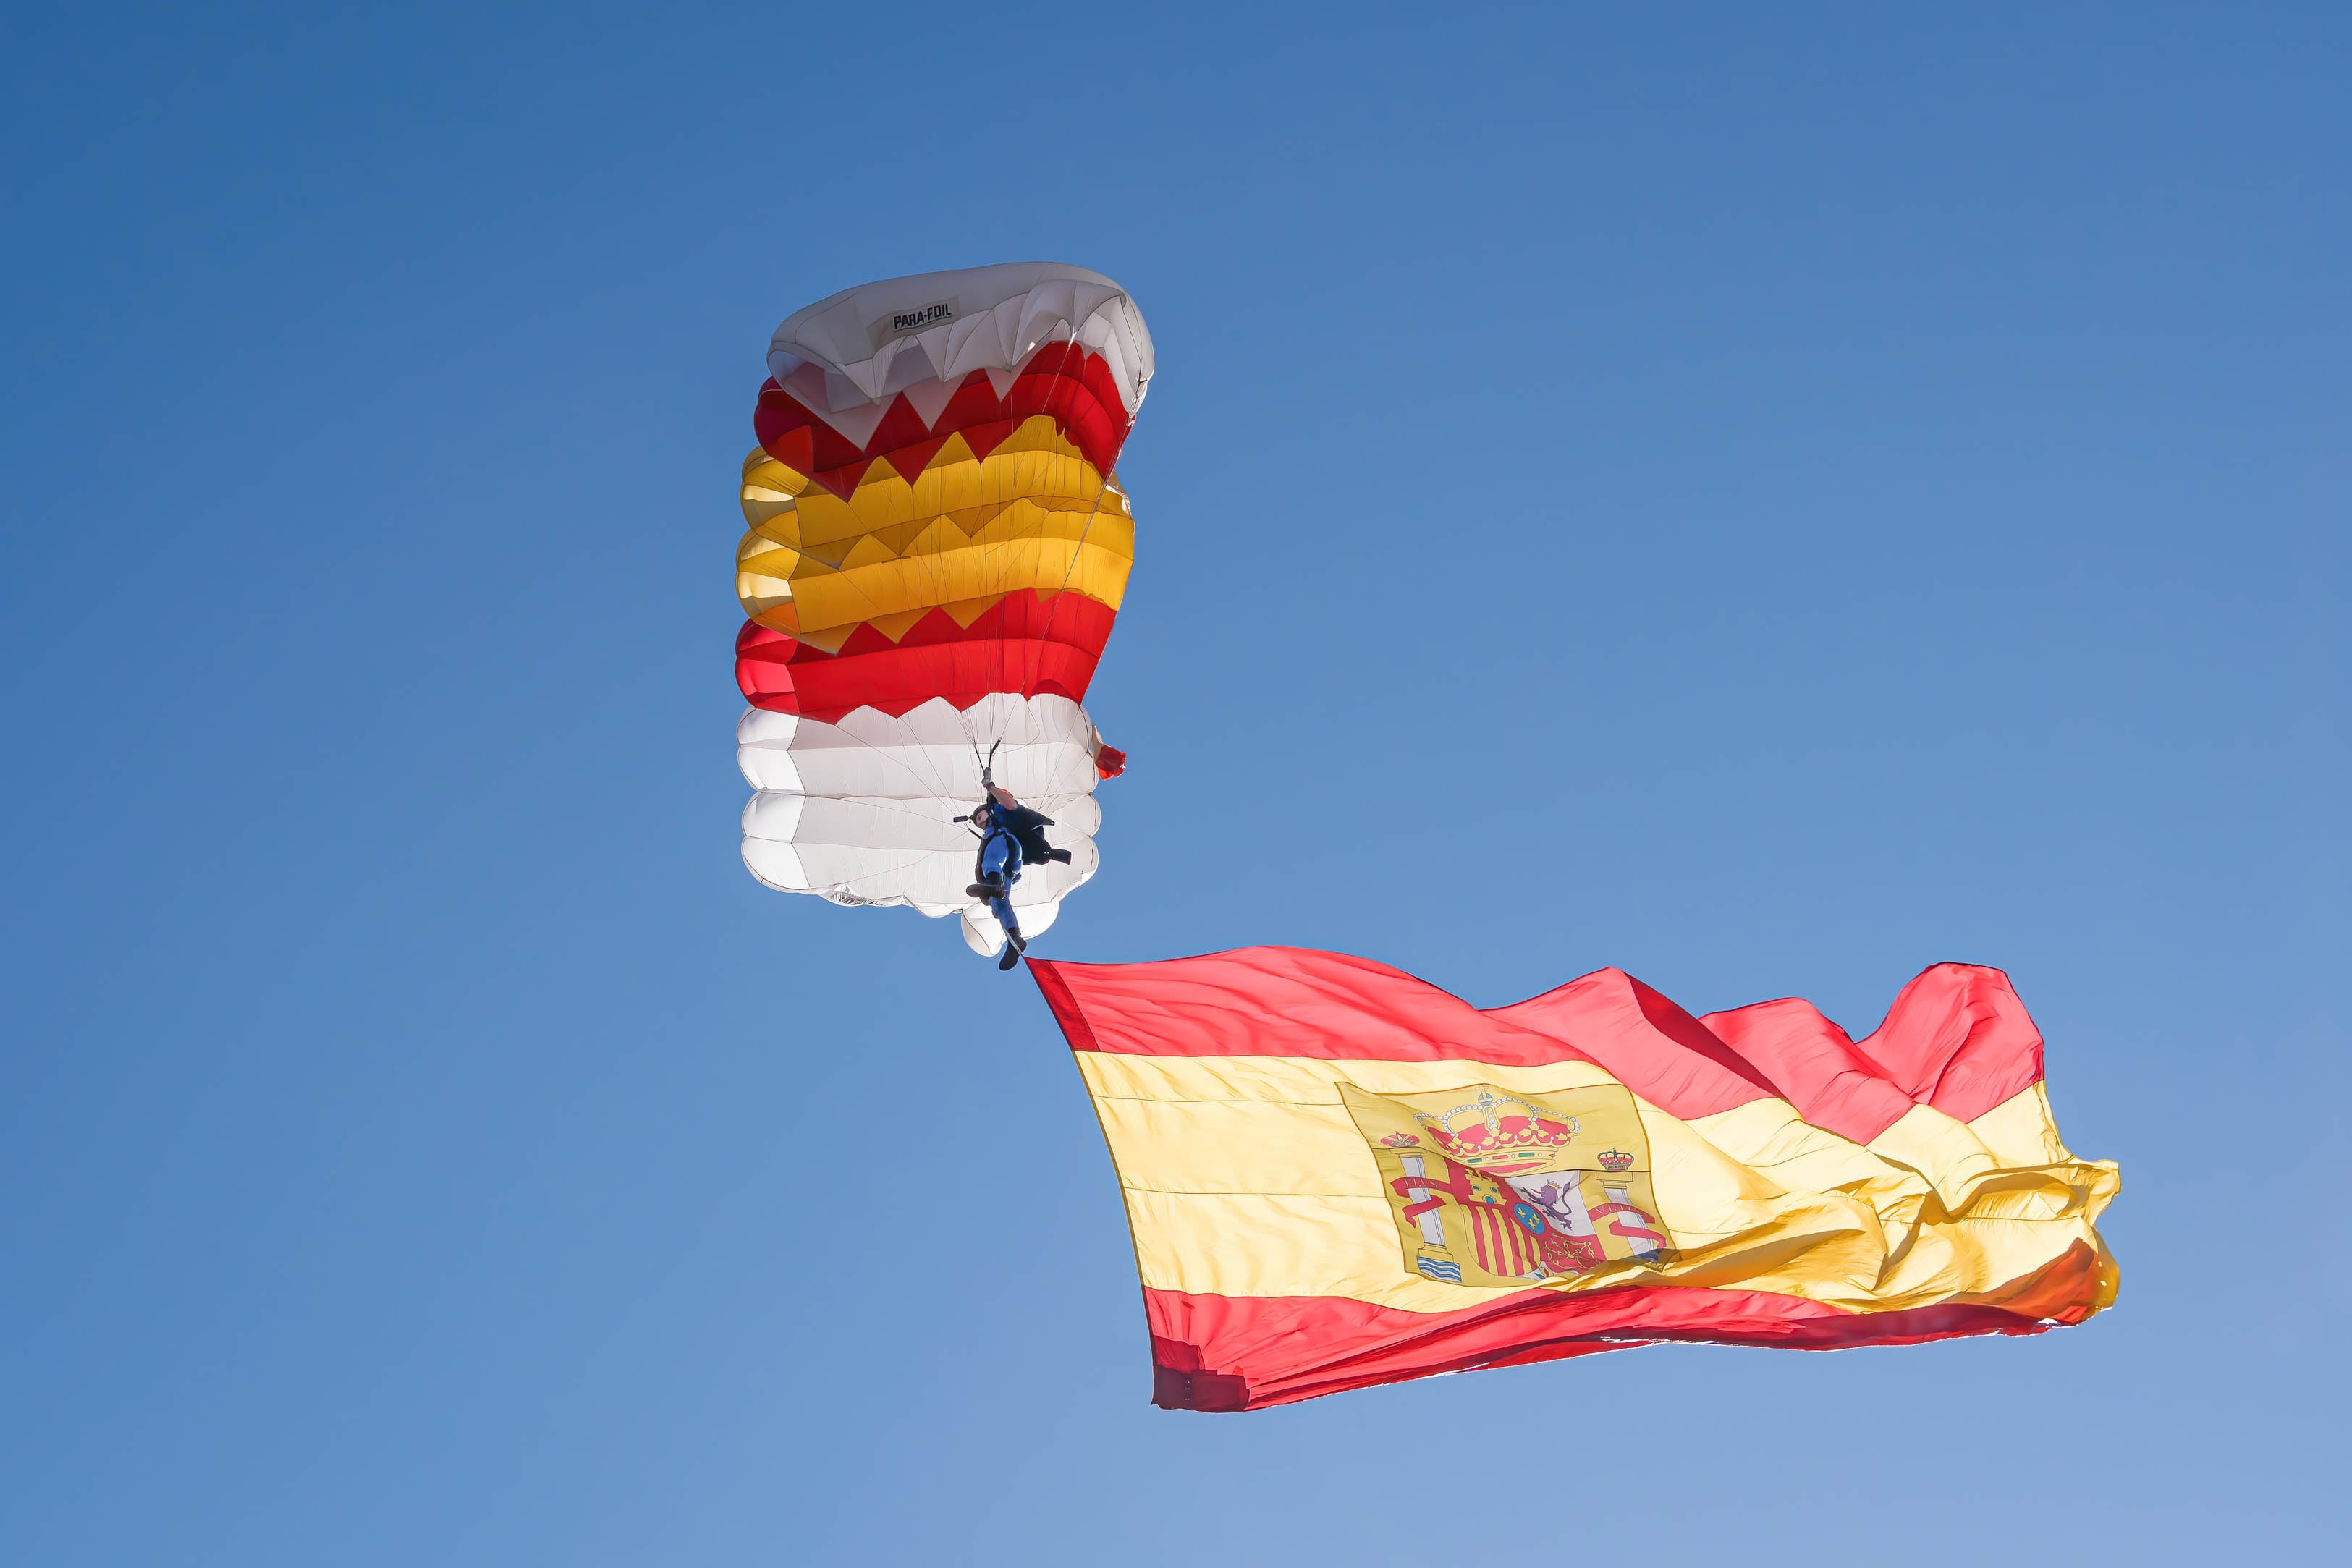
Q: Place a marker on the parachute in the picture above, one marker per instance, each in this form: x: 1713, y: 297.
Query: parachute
x: 937, y: 547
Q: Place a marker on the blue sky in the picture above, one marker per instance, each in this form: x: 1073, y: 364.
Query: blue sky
x: 1909, y: 455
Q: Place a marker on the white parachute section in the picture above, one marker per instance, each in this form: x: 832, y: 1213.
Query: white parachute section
x: 867, y: 343
x: 863, y: 812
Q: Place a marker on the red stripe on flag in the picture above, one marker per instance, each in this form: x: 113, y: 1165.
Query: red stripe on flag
x: 1957, y: 1039
x: 1958, y: 1031
x: 1243, y: 1353
x: 1065, y: 1009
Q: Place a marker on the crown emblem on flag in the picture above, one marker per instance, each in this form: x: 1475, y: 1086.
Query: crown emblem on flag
x: 1615, y: 1160
x: 1400, y: 1140
x: 1486, y: 1131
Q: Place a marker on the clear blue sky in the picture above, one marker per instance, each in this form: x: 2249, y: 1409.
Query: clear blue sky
x: 1911, y: 457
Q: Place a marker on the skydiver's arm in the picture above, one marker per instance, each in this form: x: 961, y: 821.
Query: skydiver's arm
x: 1004, y: 797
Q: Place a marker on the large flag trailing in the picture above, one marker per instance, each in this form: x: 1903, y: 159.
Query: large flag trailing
x: 1337, y: 1174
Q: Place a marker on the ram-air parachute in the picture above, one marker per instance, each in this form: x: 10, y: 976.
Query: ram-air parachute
x: 938, y: 546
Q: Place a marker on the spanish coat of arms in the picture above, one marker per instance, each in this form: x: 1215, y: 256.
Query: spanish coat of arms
x: 1490, y: 1188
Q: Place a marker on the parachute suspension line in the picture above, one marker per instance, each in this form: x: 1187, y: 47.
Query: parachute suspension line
x: 987, y: 778
x: 988, y: 763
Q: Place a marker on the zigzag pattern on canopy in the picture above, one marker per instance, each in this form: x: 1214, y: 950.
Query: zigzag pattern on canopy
x: 1062, y: 383
x: 1028, y: 644
x: 962, y: 533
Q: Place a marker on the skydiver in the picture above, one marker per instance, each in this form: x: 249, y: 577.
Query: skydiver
x: 1010, y: 836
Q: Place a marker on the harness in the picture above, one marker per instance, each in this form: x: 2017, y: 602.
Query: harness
x: 1026, y: 827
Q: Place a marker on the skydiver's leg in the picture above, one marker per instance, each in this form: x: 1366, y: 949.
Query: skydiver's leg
x: 1001, y: 907
x: 1000, y: 868
x: 1006, y: 864
x: 1001, y: 857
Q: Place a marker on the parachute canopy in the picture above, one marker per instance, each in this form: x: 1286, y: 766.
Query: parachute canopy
x: 937, y: 545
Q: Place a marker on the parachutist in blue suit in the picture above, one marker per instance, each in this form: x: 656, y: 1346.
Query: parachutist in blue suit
x: 1010, y: 836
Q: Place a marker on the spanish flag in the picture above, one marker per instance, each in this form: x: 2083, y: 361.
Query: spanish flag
x: 1337, y: 1174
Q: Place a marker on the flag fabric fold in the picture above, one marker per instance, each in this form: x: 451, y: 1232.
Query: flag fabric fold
x: 1337, y: 1174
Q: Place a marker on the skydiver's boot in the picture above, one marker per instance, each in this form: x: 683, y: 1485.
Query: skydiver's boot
x: 986, y: 888
x: 1014, y: 945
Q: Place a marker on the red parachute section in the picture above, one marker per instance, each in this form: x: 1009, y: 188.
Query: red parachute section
x: 1078, y: 389
x: 1025, y: 643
